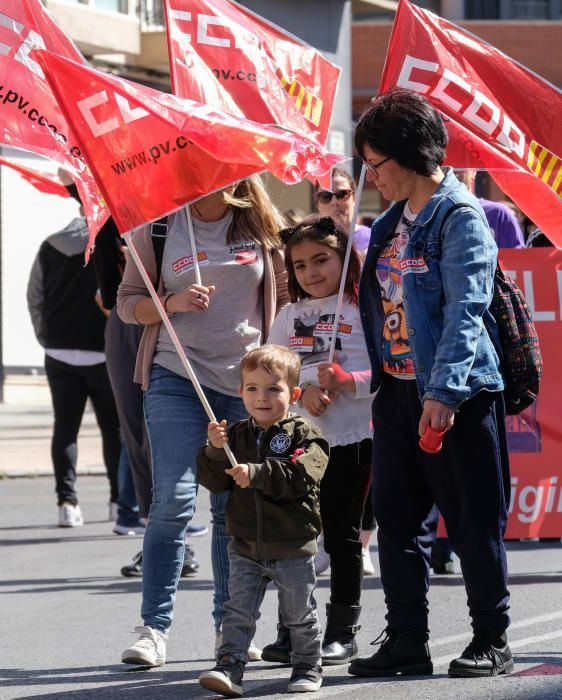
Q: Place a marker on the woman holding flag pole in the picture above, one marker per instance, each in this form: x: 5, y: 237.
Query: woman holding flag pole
x: 217, y: 322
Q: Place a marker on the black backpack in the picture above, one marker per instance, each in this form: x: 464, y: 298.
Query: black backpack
x: 521, y: 359
x: 159, y: 232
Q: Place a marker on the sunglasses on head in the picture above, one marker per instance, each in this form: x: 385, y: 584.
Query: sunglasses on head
x: 325, y: 196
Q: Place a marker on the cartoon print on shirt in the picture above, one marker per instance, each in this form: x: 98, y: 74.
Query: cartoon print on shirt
x: 396, y: 352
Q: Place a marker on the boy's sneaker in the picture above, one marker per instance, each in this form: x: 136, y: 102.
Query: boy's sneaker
x: 148, y: 650
x: 305, y: 679
x: 225, y: 678
x: 70, y: 515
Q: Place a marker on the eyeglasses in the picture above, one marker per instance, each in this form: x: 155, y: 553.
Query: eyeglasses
x: 374, y: 167
x: 325, y: 196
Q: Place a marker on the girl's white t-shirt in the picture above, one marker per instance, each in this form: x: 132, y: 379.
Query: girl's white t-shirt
x: 306, y: 327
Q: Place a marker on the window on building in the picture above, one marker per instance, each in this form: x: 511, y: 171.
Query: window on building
x: 482, y: 9
x: 513, y: 9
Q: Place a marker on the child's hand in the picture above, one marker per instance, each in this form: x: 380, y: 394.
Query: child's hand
x: 332, y: 376
x: 216, y: 432
x: 316, y: 400
x: 240, y: 474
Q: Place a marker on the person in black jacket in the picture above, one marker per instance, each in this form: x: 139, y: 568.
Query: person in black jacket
x: 273, y: 517
x: 69, y: 324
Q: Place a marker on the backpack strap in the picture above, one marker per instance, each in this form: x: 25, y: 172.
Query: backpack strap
x: 458, y: 205
x: 159, y: 232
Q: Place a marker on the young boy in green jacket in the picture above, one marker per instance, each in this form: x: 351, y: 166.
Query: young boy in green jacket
x: 273, y: 517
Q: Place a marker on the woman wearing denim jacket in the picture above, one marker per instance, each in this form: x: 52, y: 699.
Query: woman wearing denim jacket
x: 424, y: 299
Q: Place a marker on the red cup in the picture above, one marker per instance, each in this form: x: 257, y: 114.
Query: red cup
x: 432, y: 440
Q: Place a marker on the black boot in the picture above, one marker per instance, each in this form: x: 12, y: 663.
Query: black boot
x: 280, y: 651
x: 483, y: 657
x: 399, y: 653
x: 339, y: 645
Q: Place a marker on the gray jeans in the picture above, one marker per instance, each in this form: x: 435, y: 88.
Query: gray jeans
x: 295, y: 581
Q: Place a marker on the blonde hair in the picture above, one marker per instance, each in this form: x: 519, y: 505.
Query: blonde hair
x: 254, y: 214
x: 270, y: 357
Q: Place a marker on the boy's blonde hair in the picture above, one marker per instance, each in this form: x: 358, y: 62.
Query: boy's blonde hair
x: 270, y: 357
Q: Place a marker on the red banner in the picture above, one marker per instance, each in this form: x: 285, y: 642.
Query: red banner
x: 30, y: 117
x: 535, y: 436
x: 42, y: 181
x: 500, y: 116
x: 224, y: 55
x: 152, y: 153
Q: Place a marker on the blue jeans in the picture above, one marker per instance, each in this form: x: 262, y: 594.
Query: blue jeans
x: 295, y: 581
x: 177, y: 427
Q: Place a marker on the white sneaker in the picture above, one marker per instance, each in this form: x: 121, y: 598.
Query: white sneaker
x: 368, y: 566
x: 254, y: 652
x: 70, y: 516
x: 148, y: 650
x: 322, y: 558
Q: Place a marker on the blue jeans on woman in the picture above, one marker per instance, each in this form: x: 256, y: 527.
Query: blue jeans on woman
x: 177, y: 427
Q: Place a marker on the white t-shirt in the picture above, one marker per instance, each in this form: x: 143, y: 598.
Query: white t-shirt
x: 306, y: 327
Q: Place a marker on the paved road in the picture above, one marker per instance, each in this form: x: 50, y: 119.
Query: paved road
x: 67, y: 614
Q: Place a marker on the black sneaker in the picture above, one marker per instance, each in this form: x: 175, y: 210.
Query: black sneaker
x: 225, y: 678
x: 399, y: 653
x: 305, y: 679
x: 190, y: 564
x: 134, y: 569
x: 483, y: 657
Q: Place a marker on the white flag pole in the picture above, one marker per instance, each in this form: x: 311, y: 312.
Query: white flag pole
x: 187, y: 210
x: 179, y: 349
x: 336, y: 326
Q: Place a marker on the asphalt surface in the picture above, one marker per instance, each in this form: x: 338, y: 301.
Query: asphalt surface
x: 67, y: 614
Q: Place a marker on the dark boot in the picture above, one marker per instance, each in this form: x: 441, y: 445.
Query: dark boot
x: 483, y: 657
x: 280, y: 651
x: 134, y: 569
x: 339, y: 645
x: 399, y: 653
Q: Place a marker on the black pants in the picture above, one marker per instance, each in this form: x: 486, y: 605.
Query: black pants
x: 343, y: 491
x: 70, y: 387
x: 121, y: 347
x: 468, y: 480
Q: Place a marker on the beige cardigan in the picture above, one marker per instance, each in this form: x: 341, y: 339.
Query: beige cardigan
x: 132, y: 290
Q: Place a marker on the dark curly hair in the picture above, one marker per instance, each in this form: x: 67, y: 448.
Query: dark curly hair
x: 322, y: 230
x: 403, y: 125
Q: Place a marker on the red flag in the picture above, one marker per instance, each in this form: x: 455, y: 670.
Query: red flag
x: 30, y: 118
x: 152, y: 153
x: 500, y: 115
x: 225, y: 55
x: 42, y: 181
